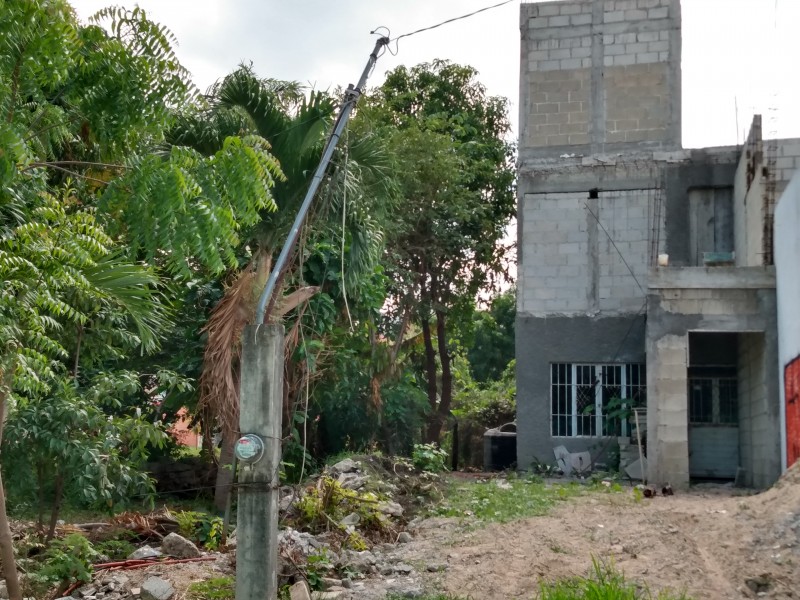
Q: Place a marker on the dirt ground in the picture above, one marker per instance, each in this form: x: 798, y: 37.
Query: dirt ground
x: 708, y: 543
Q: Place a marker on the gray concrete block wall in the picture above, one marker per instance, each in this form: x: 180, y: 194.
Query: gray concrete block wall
x: 600, y: 72
x: 570, y: 264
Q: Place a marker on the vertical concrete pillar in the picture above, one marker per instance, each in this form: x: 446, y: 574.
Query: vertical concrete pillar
x: 668, y: 411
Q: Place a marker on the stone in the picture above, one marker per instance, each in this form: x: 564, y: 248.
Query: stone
x: 3, y: 589
x: 87, y: 590
x: 390, y: 508
x: 352, y: 481
x: 404, y: 537
x: 327, y: 595
x: 348, y: 465
x: 143, y: 553
x: 403, y: 568
x: 758, y: 584
x: 351, y: 519
x: 299, y: 591
x: 155, y: 588
x: 330, y: 582
x: 179, y: 547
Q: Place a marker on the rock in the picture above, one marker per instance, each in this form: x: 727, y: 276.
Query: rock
x: 300, y: 591
x: 403, y: 568
x: 3, y: 589
x: 348, y: 465
x: 330, y: 582
x: 179, y: 547
x: 414, y: 523
x: 347, y: 583
x: 155, y: 588
x: 436, y: 568
x: 143, y: 553
x: 390, y: 508
x: 352, y: 481
x: 404, y: 538
x: 87, y: 590
x: 351, y: 519
x: 136, y: 591
x: 327, y: 595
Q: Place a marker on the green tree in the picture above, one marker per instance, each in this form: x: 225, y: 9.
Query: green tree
x: 87, y: 193
x: 491, y: 346
x: 456, y: 176
x: 295, y: 124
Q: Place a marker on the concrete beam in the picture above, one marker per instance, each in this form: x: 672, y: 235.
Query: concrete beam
x: 742, y: 278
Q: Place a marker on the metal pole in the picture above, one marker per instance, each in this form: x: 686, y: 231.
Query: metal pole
x: 350, y: 99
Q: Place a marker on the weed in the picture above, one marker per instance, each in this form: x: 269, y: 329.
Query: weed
x: 115, y: 549
x: 484, y: 501
x: 429, y: 457
x: 202, y: 527
x: 219, y: 588
x: 68, y: 561
x: 604, y: 583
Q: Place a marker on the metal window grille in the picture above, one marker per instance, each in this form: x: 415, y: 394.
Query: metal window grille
x: 586, y: 399
x: 713, y: 401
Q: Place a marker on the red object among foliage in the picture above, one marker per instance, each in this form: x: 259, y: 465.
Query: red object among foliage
x: 791, y: 378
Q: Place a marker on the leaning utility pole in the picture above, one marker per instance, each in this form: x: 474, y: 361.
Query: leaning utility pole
x: 258, y: 449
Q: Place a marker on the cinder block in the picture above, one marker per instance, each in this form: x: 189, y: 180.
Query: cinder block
x: 557, y: 140
x: 570, y: 9
x: 581, y: 52
x: 647, y: 36
x: 537, y: 23
x: 581, y: 19
x: 561, y: 21
x: 579, y: 139
x: 624, y: 59
x: 614, y: 49
x: 571, y: 63
x: 658, y: 13
x: 549, y: 65
x: 549, y: 10
x: 625, y: 38
x: 614, y: 17
x: 658, y: 46
x: 635, y: 15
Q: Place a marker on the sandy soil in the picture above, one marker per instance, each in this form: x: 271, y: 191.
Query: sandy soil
x: 708, y: 542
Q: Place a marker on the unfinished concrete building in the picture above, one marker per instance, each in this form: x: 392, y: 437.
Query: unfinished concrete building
x: 606, y: 194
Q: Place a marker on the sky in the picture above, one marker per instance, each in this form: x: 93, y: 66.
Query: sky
x: 736, y: 53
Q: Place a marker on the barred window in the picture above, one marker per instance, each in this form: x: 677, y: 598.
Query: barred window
x: 588, y: 400
x: 713, y: 401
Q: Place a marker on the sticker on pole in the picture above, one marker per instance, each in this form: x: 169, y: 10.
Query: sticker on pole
x: 249, y: 448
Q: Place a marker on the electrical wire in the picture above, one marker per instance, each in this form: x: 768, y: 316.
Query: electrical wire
x: 452, y: 20
x: 613, y: 243
x: 344, y: 223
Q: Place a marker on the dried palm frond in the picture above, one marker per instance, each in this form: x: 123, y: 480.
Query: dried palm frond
x: 219, y: 380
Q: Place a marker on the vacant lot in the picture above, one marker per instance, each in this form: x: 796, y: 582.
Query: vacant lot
x: 712, y: 542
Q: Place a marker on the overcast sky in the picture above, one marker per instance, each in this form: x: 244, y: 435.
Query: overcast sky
x: 734, y: 51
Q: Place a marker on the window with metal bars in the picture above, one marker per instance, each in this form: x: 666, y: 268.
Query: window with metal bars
x: 713, y: 401
x: 586, y: 399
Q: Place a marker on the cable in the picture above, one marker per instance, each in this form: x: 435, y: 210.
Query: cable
x: 450, y: 20
x: 344, y: 216
x: 613, y: 243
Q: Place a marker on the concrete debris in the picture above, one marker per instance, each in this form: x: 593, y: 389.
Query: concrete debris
x: 390, y: 508
x: 637, y: 469
x: 352, y: 481
x: 300, y: 591
x: 144, y: 552
x: 348, y: 465
x: 179, y: 547
x: 155, y: 588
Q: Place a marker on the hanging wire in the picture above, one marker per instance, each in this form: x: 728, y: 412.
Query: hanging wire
x: 452, y: 20
x: 344, y: 217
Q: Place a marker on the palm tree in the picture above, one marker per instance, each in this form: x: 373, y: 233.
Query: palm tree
x: 295, y: 126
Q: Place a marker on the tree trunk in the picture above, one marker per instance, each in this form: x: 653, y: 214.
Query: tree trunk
x: 225, y: 474
x: 443, y: 410
x: 57, y: 499
x: 6, y: 542
x: 430, y: 365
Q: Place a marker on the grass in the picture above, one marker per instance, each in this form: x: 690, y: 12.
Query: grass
x: 486, y: 502
x: 604, y: 583
x: 219, y: 588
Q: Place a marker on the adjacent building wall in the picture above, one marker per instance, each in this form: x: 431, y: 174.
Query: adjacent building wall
x: 787, y: 265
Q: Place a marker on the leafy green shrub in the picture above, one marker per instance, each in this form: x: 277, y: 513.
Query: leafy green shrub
x: 67, y: 561
x: 201, y: 527
x: 429, y: 457
x: 218, y: 588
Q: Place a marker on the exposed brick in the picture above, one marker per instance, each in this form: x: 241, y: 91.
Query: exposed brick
x: 614, y: 17
x: 647, y: 36
x: 658, y: 13
x: 559, y: 21
x: 635, y: 15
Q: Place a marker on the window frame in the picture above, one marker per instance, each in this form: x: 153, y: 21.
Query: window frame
x: 566, y: 424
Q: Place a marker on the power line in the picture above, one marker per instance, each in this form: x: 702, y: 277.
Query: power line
x: 480, y: 10
x: 613, y: 243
